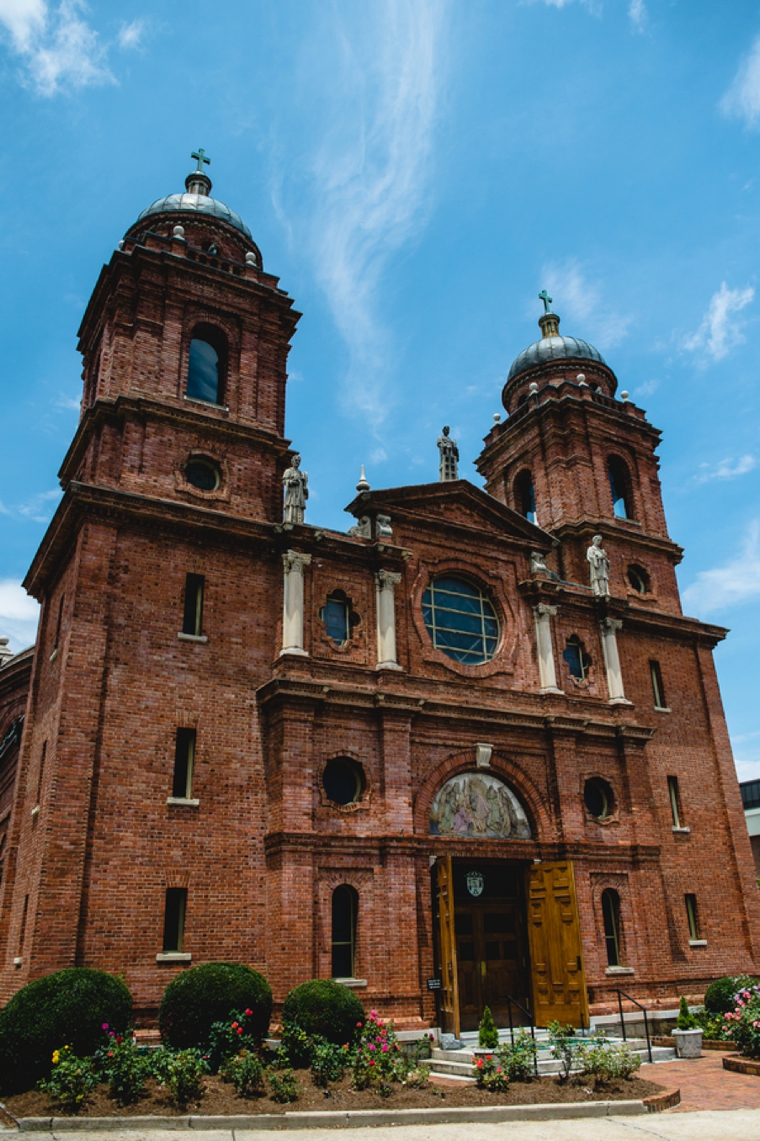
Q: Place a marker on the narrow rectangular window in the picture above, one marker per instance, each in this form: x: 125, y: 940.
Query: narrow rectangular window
x: 675, y: 801
x: 691, y: 915
x: 174, y: 919
x: 59, y: 620
x: 658, y: 689
x: 184, y: 760
x: 22, y: 929
x: 192, y: 622
x: 41, y: 772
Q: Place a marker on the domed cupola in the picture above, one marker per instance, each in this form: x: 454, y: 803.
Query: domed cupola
x: 205, y: 221
x: 553, y: 360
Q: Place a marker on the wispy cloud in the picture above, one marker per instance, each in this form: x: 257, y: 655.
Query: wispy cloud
x: 742, y: 100
x: 592, y: 5
x: 582, y: 305
x: 725, y: 469
x: 18, y: 615
x: 638, y: 15
x: 39, y: 508
x: 720, y: 331
x: 56, y: 46
x: 370, y: 175
x: 735, y: 582
x: 648, y: 388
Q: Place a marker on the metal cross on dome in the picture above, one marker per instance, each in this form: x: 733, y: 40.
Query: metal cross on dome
x: 200, y: 154
x: 543, y: 295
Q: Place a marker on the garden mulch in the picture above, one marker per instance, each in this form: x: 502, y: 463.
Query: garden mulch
x: 221, y: 1099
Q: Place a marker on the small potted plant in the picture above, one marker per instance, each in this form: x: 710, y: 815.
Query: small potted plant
x: 688, y: 1036
x: 488, y: 1035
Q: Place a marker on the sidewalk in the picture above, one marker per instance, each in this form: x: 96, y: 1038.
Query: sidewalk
x: 704, y: 1084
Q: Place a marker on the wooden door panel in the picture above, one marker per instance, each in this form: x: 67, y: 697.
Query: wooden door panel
x: 448, y: 995
x: 559, y: 985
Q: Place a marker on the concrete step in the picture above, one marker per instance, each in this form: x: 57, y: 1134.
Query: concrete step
x: 459, y: 1063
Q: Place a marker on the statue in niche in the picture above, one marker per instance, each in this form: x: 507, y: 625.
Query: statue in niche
x: 296, y: 491
x: 600, y: 567
x: 478, y: 805
x: 449, y: 457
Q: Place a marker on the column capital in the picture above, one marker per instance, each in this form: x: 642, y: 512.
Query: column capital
x: 544, y: 610
x: 295, y: 561
x: 611, y: 625
x: 387, y: 580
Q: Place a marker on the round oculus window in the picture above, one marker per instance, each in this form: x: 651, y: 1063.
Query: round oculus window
x: 597, y: 796
x: 460, y: 620
x: 343, y: 781
x: 203, y: 474
x: 638, y: 579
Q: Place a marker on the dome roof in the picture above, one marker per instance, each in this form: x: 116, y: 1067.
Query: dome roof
x: 197, y: 204
x: 553, y: 349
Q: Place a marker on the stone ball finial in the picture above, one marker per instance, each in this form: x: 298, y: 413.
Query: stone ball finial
x: 533, y: 387
x: 363, y: 484
x: 178, y: 232
x: 250, y: 258
x: 624, y: 395
x: 120, y: 245
x: 497, y: 417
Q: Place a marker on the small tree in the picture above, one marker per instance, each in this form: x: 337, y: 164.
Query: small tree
x: 686, y: 1020
x: 488, y: 1035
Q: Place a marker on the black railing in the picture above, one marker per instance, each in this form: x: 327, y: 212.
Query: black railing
x: 622, y: 995
x: 510, y: 1002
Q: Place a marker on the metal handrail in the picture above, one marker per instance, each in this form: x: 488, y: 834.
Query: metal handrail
x: 622, y: 995
x: 519, y: 1006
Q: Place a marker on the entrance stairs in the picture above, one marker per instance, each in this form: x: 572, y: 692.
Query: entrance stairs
x: 457, y: 1062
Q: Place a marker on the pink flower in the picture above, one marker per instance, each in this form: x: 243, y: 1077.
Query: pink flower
x: 384, y: 1047
x: 372, y: 1046
x: 373, y: 1014
x: 104, y: 1026
x: 372, y: 1063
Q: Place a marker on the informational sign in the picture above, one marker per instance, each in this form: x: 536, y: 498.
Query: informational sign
x: 434, y: 984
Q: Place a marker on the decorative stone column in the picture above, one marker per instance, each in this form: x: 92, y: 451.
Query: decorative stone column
x: 609, y: 627
x: 292, y: 602
x: 386, y: 582
x: 543, y: 615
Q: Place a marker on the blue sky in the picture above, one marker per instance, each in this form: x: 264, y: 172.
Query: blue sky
x: 415, y: 172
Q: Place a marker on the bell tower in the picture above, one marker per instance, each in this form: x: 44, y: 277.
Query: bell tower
x: 578, y: 459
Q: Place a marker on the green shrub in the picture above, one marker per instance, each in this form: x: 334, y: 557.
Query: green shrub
x: 245, y: 1072
x: 488, y: 1035
x: 607, y: 1061
x: 565, y: 1047
x: 325, y: 1008
x: 328, y: 1062
x: 490, y: 1074
x: 378, y: 1060
x: 283, y: 1086
x: 518, y: 1059
x: 719, y: 996
x: 125, y: 1069
x: 231, y: 1036
x: 685, y: 1020
x: 70, y: 1081
x: 68, y: 1008
x: 196, y: 999
x: 182, y: 1072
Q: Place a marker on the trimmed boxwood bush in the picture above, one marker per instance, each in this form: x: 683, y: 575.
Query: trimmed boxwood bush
x: 326, y: 1008
x: 67, y: 1008
x: 719, y: 996
x: 197, y: 998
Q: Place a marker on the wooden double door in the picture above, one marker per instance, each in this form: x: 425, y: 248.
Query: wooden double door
x: 508, y: 930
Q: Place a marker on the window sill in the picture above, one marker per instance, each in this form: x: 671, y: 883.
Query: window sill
x: 35, y: 811
x: 54, y: 654
x: 192, y: 637
x: 18, y: 961
x: 352, y: 984
x: 187, y: 801
x: 697, y: 942
x: 174, y: 957
x: 684, y: 831
x: 206, y: 403
x: 662, y: 709
x: 614, y: 971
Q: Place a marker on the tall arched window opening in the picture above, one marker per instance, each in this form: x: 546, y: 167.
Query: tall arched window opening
x: 206, y: 365
x: 611, y: 917
x: 620, y: 486
x: 345, y: 909
x: 525, y: 496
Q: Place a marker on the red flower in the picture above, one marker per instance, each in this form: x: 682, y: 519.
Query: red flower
x: 234, y: 1025
x: 248, y: 1013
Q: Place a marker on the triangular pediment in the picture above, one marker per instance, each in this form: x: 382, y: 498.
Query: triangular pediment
x: 458, y: 503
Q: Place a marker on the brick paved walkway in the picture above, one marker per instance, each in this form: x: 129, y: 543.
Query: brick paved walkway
x: 704, y: 1084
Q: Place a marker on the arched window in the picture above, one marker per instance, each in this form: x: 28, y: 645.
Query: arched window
x: 578, y: 661
x: 345, y: 908
x: 620, y: 486
x: 525, y: 497
x: 611, y: 918
x: 206, y: 365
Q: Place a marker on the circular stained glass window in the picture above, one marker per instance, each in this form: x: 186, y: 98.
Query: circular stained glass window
x: 203, y: 474
x: 460, y: 620
x: 597, y: 796
x: 343, y: 780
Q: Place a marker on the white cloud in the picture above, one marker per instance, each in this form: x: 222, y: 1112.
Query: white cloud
x: 718, y: 333
x: 70, y: 403
x: 130, y: 35
x: 371, y: 173
x: 646, y: 389
x: 742, y: 100
x: 18, y: 615
x: 582, y: 303
x: 590, y: 4
x: 638, y: 15
x: 40, y: 507
x: 735, y: 582
x: 725, y: 469
x: 58, y: 48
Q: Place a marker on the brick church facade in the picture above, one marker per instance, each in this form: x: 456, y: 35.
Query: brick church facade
x: 463, y: 753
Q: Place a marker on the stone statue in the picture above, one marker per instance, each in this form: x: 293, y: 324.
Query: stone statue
x: 296, y: 491
x: 600, y: 567
x: 538, y: 563
x: 447, y: 467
